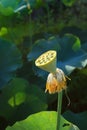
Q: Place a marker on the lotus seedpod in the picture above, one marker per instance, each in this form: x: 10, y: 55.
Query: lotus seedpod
x: 47, y: 61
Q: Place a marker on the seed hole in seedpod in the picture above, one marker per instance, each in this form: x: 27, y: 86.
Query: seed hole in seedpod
x: 44, y: 61
x: 41, y: 62
x: 48, y: 58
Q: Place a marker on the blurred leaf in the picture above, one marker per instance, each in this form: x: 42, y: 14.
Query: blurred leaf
x: 68, y: 2
x: 77, y: 44
x: 84, y: 46
x: 80, y: 119
x: 77, y: 85
x: 5, y: 10
x: 70, y: 55
x: 84, y: 1
x: 42, y: 121
x: 7, y: 3
x: 3, y: 31
x: 84, y: 71
x: 10, y: 60
x: 28, y: 4
x: 43, y: 45
x: 82, y: 34
x: 19, y: 99
x: 31, y: 4
x: 7, y: 6
x: 38, y: 3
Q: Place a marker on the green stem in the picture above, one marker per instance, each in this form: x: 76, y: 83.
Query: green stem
x: 59, y: 107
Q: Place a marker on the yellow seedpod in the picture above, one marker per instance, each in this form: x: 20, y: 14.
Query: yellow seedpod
x: 47, y: 61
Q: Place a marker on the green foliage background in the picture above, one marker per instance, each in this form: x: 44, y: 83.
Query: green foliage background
x: 27, y: 29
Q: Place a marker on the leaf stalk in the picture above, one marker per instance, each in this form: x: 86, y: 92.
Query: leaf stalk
x: 59, y: 107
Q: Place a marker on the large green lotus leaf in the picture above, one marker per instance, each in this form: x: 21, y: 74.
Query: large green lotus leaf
x: 19, y: 99
x: 82, y: 34
x: 80, y: 119
x: 43, y: 45
x: 68, y: 2
x: 84, y: 46
x: 10, y: 60
x: 70, y: 54
x: 7, y: 6
x: 42, y: 121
